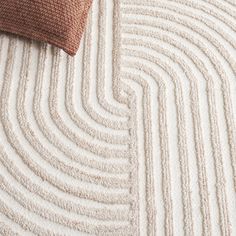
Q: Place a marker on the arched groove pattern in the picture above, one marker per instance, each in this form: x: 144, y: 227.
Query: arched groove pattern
x: 135, y: 135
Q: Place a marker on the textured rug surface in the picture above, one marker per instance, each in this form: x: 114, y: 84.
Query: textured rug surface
x: 134, y: 136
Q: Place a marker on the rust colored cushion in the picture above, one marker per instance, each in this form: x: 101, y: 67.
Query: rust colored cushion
x: 59, y: 22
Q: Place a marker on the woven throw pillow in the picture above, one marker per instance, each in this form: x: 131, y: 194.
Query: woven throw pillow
x: 59, y: 22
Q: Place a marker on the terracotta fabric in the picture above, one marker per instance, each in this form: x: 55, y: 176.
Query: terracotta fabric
x: 59, y: 22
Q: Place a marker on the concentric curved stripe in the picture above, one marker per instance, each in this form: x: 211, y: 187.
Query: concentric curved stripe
x: 135, y: 135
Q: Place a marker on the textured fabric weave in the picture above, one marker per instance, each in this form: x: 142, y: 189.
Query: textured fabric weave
x: 59, y: 22
x: 134, y: 136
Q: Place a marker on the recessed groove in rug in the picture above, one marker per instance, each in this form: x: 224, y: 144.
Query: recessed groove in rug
x: 135, y: 135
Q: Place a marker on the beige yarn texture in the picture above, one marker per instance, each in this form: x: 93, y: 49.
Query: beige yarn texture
x: 135, y: 135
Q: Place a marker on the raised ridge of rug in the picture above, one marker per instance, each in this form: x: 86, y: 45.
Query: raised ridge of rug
x: 134, y: 136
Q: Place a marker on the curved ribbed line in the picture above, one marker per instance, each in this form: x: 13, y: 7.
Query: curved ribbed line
x: 185, y: 179
x: 207, y: 36
x: 194, y: 5
x: 220, y: 71
x: 83, y: 160
x: 12, y: 139
x: 231, y: 130
x: 75, y: 191
x: 183, y: 153
x: 222, y: 7
x: 182, y: 22
x: 110, y: 138
x: 101, y: 63
x: 107, y: 137
x: 221, y: 194
x: 199, y: 144
x: 207, y: 22
x: 43, y: 126
x: 86, y: 75
x: 96, y: 213
x: 209, y: 4
x: 231, y: 2
x: 105, y: 152
x: 225, y: 84
x: 52, y: 138
x: 228, y: 113
x: 47, y: 214
x: 69, y: 189
x: 197, y: 30
x: 166, y: 184
x: 5, y: 230
x: 210, y: 11
x: 38, y: 146
x: 27, y: 225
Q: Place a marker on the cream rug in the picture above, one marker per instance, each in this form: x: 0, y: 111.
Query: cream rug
x: 134, y: 136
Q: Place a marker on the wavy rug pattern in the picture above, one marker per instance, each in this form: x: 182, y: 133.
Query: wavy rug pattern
x: 135, y: 135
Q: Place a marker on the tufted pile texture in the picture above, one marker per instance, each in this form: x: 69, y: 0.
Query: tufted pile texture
x: 134, y: 136
x: 59, y: 22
